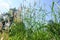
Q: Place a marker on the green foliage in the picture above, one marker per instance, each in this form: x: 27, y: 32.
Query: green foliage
x: 55, y: 28
x: 53, y: 6
x: 46, y: 32
x: 35, y: 27
x: 17, y: 30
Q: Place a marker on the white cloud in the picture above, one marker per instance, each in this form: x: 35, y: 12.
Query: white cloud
x: 4, y: 6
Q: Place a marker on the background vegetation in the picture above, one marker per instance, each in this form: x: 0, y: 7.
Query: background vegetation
x: 35, y: 26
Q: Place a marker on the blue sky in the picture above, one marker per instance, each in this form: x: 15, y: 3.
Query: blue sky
x: 5, y: 5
